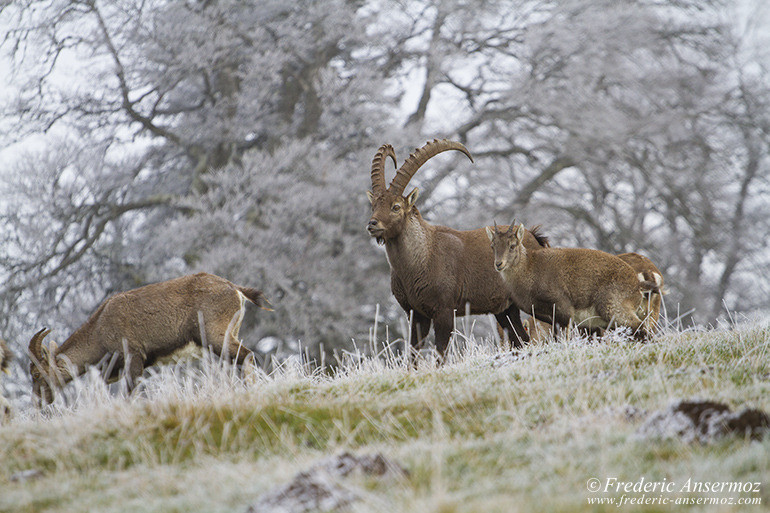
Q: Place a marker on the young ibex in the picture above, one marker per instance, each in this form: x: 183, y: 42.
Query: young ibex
x: 5, y: 363
x: 646, y: 271
x: 594, y: 289
x: 139, y: 326
x: 650, y: 311
x: 436, y: 272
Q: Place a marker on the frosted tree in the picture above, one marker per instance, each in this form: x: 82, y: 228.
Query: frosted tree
x: 235, y: 137
x: 153, y: 104
x: 618, y: 125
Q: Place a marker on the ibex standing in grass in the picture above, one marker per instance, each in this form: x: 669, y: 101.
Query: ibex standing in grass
x: 437, y: 272
x: 646, y: 271
x: 5, y: 361
x: 592, y: 288
x: 139, y: 326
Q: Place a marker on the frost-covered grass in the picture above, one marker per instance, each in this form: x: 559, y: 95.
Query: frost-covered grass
x: 485, y: 432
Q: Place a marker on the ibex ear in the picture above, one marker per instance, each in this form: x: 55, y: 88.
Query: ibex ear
x: 490, y: 233
x: 411, y: 198
x: 370, y: 196
x: 520, y: 232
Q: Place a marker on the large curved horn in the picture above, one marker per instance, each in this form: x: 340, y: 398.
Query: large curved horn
x: 5, y: 357
x: 420, y: 157
x: 378, y: 167
x: 36, y: 344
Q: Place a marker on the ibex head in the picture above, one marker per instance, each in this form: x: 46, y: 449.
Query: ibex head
x: 42, y: 359
x: 390, y: 208
x: 507, y: 245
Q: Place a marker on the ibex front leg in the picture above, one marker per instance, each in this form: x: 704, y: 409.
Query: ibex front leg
x: 443, y: 324
x: 510, y: 321
x: 419, y: 329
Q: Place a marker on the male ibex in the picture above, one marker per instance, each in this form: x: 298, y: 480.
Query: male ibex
x: 5, y: 362
x: 436, y: 272
x: 139, y: 326
x: 592, y: 288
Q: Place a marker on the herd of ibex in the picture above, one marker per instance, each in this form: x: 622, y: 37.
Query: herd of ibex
x: 437, y: 273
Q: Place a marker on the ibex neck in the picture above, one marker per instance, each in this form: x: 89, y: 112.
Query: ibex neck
x: 411, y: 249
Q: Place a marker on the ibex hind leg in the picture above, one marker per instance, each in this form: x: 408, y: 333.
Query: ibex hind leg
x: 222, y: 338
x: 626, y: 316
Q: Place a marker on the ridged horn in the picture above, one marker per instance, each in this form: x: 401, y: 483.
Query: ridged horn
x: 420, y: 157
x: 5, y: 357
x: 378, y: 167
x: 36, y: 344
x: 510, y: 228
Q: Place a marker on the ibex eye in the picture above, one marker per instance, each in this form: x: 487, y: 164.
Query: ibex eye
x: 396, y: 207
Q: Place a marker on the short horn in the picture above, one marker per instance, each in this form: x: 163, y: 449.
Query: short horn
x: 378, y: 167
x: 419, y: 157
x: 513, y: 223
x: 36, y: 344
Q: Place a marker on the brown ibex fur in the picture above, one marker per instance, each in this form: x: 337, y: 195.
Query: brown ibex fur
x: 139, y: 326
x: 646, y: 271
x: 437, y: 272
x: 649, y: 312
x: 5, y: 362
x: 592, y: 288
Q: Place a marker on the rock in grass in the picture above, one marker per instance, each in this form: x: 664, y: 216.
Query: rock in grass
x: 321, y: 488
x: 704, y: 422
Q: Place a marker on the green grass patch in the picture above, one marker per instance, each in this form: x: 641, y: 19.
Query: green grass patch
x: 483, y: 433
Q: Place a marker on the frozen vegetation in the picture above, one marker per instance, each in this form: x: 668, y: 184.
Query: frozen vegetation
x: 488, y: 431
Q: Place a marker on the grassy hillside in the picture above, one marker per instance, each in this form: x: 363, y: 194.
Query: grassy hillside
x: 485, y: 432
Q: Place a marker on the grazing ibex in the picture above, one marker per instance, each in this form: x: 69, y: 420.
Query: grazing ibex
x: 139, y: 326
x: 646, y: 271
x: 437, y: 272
x: 5, y: 362
x: 592, y: 288
x: 650, y: 311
